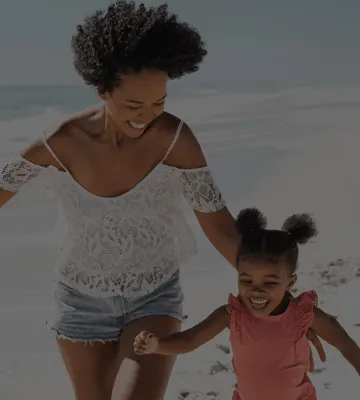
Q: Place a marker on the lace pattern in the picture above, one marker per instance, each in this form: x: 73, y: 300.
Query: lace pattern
x: 17, y: 173
x: 131, y: 283
x: 127, y: 245
x: 201, y: 191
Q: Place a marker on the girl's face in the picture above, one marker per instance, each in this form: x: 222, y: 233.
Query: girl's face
x: 136, y: 102
x: 263, y: 285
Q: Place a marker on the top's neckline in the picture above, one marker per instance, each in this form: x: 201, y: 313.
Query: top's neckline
x: 116, y: 197
x: 273, y: 318
x: 134, y: 188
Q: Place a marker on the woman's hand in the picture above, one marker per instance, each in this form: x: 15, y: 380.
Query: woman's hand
x: 145, y: 343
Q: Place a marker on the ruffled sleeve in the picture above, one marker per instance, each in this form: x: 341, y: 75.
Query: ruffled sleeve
x: 235, y: 311
x: 17, y: 173
x: 200, y: 190
x: 305, y: 307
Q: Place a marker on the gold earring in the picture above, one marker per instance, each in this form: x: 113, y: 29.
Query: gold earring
x: 106, y: 118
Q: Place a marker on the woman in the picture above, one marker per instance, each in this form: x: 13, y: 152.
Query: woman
x: 119, y: 172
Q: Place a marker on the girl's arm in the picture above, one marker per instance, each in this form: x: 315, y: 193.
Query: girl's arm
x: 185, y: 341
x: 329, y: 329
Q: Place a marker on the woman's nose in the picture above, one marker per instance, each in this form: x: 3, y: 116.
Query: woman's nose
x: 147, y: 112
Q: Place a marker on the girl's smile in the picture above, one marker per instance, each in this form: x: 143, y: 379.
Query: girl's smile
x: 263, y: 286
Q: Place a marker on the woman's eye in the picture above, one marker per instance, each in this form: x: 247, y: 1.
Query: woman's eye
x: 159, y: 104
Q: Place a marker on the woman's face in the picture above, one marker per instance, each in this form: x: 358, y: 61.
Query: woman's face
x: 137, y: 102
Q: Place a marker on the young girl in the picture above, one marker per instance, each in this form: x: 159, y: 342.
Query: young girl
x: 267, y: 325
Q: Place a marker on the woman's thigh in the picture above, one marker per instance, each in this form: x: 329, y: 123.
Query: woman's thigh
x: 96, y: 335
x: 152, y: 375
x: 92, y: 368
x: 160, y: 312
x: 87, y: 330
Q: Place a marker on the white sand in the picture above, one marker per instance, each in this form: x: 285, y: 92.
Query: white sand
x: 242, y: 135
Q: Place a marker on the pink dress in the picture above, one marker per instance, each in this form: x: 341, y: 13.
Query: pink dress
x: 271, y: 355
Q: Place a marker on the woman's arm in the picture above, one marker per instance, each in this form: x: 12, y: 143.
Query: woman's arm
x: 329, y: 329
x: 27, y: 166
x: 185, y: 341
x: 20, y: 171
x: 218, y: 225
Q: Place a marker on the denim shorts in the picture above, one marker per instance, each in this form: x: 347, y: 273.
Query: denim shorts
x: 80, y: 317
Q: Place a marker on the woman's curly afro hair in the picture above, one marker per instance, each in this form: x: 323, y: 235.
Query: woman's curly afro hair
x: 128, y: 38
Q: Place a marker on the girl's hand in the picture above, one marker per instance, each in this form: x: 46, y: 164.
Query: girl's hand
x: 145, y: 343
x: 329, y: 329
x: 313, y: 338
x: 315, y: 341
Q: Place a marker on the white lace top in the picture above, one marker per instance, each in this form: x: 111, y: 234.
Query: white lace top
x: 126, y: 245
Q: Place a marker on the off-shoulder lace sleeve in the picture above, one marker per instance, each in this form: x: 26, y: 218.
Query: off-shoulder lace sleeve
x: 200, y: 190
x: 17, y: 173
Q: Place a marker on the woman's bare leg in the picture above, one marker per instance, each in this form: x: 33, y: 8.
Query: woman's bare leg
x: 92, y: 368
x: 154, y: 370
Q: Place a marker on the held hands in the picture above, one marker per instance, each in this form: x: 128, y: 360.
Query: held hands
x: 145, y: 343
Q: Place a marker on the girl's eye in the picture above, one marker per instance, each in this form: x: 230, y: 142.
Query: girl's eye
x: 244, y: 282
x: 271, y: 283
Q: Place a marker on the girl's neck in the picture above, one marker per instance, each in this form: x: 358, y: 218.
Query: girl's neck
x: 282, y: 307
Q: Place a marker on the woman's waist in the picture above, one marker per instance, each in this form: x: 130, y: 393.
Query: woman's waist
x: 107, y: 281
x: 133, y: 244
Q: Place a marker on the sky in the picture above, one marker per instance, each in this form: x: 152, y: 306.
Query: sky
x: 247, y: 40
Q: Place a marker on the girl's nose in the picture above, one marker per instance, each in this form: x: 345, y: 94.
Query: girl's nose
x: 257, y: 289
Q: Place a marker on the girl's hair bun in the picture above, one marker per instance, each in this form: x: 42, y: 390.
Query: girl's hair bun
x: 250, y: 219
x: 301, y: 227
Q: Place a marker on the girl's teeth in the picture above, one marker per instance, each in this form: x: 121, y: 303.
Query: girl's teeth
x: 258, y: 301
x: 137, y: 126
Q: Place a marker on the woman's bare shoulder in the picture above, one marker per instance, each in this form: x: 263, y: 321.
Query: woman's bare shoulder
x: 187, y: 152
x: 167, y: 124
x: 60, y: 139
x: 88, y: 121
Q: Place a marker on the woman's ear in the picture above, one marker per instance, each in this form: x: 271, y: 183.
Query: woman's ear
x: 103, y: 94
